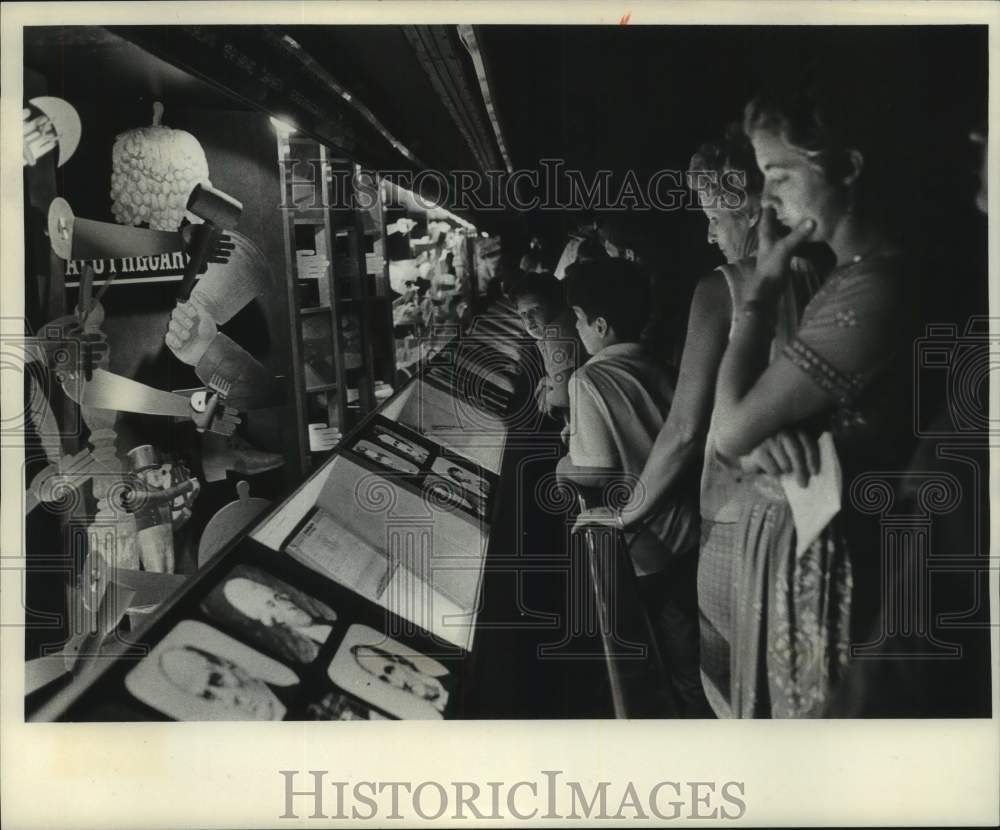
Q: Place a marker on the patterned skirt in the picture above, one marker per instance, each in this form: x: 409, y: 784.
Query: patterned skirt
x: 793, y: 612
x: 715, y: 611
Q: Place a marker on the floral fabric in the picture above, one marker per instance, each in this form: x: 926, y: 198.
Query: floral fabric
x: 793, y: 614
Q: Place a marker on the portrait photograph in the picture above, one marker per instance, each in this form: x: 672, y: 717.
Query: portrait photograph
x: 270, y: 614
x: 380, y: 456
x: 396, y: 442
x: 448, y: 493
x: 389, y: 675
x: 197, y: 673
x: 470, y: 480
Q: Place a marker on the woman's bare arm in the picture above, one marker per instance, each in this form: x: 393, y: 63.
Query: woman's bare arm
x: 682, y: 436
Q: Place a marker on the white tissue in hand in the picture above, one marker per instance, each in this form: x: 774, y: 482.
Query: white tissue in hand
x: 814, y: 506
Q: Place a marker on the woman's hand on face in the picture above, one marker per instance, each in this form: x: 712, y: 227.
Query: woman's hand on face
x: 774, y: 255
x: 789, y: 451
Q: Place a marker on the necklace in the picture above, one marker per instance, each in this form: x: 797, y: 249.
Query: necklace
x: 854, y: 260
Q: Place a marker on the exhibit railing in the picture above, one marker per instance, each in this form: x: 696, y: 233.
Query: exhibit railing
x: 638, y: 678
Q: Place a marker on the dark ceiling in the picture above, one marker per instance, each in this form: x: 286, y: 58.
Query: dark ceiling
x: 617, y: 98
x: 379, y: 67
x: 88, y: 62
x: 643, y: 98
x: 636, y: 97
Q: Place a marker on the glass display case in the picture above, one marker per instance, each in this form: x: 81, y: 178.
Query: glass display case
x: 378, y: 559
x: 389, y: 585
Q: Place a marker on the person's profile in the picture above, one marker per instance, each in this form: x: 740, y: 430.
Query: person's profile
x: 389, y: 675
x: 197, y: 673
x: 270, y: 614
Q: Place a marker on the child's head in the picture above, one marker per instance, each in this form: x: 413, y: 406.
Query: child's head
x: 611, y: 300
x: 539, y: 298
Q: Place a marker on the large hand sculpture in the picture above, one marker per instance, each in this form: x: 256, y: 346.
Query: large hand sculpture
x: 190, y: 332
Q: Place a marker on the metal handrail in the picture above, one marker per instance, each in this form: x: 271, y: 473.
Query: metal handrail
x: 639, y: 688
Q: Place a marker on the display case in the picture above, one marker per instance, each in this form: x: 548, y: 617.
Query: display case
x: 356, y: 598
x: 327, y: 314
x: 390, y: 584
x: 121, y: 406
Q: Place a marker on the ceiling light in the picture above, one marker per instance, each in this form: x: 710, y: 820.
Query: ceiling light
x: 283, y: 128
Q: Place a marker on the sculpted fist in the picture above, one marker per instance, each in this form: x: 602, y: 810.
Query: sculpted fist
x: 190, y: 332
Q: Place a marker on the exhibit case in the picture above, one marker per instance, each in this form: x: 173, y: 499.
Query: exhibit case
x: 209, y: 310
x: 355, y: 598
x: 284, y: 458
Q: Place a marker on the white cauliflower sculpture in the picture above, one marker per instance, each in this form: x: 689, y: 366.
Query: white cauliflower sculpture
x: 153, y: 171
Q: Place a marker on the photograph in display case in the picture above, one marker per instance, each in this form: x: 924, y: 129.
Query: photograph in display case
x: 197, y: 673
x: 394, y: 438
x: 446, y: 493
x: 383, y: 458
x: 470, y: 387
x: 474, y: 484
x: 387, y: 674
x: 270, y: 614
x: 385, y: 445
x: 456, y: 470
x: 443, y: 477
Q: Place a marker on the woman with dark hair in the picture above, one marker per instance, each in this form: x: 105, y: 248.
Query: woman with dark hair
x: 843, y: 372
x: 725, y: 177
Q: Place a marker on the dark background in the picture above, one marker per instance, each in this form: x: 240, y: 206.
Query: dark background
x: 623, y: 99
x: 644, y: 98
x: 619, y: 98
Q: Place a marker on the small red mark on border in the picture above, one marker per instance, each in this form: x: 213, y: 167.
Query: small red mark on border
x: 624, y: 20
